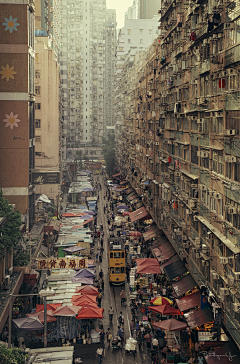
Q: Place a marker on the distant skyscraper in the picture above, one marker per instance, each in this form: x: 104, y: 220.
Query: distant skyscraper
x: 132, y: 12
x: 85, y: 26
x: 148, y: 8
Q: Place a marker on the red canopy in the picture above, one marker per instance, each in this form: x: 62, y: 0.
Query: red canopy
x: 87, y: 290
x: 116, y: 175
x: 87, y: 221
x: 77, y: 227
x: 186, y: 302
x: 85, y: 303
x: 139, y: 214
x: 84, y: 297
x: 135, y: 233
x: 147, y: 269
x: 170, y: 325
x: 90, y: 313
x: 147, y: 261
x: 50, y: 306
x: 66, y: 311
x: 71, y: 214
x: 40, y: 316
x: 164, y: 310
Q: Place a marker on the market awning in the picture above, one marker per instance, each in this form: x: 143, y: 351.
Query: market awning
x: 132, y: 197
x: 175, y: 270
x: 117, y: 175
x: 147, y: 269
x: 138, y: 214
x: 198, y: 318
x: 183, y: 285
x: 235, y: 249
x: 156, y: 252
x: 190, y: 301
x: 171, y: 260
x: 167, y: 251
x: 150, y: 233
x: 87, y: 221
x: 129, y: 190
x: 147, y: 261
x: 227, y: 353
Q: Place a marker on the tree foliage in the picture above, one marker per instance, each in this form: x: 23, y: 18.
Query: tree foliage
x: 11, y: 356
x: 108, y: 149
x: 10, y: 229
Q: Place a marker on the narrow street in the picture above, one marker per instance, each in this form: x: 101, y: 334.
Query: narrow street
x: 111, y: 297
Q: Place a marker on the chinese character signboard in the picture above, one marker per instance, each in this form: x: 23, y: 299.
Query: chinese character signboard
x: 62, y: 263
x: 43, y: 178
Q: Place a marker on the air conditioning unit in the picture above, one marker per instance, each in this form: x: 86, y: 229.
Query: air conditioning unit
x: 223, y: 260
x: 217, y: 195
x: 198, y: 255
x: 204, y: 248
x: 230, y: 132
x: 195, y: 218
x: 236, y: 307
x: 191, y: 203
x: 236, y: 276
x: 7, y: 282
x: 232, y: 71
x: 230, y: 209
x: 230, y: 159
x: 157, y: 143
x: 230, y: 280
x: 215, y: 275
x: 177, y: 174
x: 185, y: 245
x: 203, y: 188
x: 224, y: 291
x: 198, y: 246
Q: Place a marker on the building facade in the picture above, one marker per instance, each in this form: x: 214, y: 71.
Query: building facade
x: 86, y: 74
x: 48, y: 139
x: 17, y: 105
x: 132, y: 12
x: 148, y: 8
x: 181, y: 135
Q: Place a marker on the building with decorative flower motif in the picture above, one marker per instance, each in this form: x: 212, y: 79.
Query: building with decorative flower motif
x: 17, y: 104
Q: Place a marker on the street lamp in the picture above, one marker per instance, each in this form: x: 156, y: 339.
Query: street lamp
x: 46, y: 293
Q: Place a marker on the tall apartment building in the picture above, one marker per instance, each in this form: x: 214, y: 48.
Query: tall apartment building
x: 86, y: 73
x: 148, y: 8
x: 181, y: 135
x: 132, y: 12
x: 110, y: 46
x: 17, y: 102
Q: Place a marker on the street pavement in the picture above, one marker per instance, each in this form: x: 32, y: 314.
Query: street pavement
x: 111, y: 297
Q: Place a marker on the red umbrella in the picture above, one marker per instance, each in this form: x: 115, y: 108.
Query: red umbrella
x: 66, y: 311
x: 85, y: 303
x: 90, y: 313
x: 84, y: 297
x: 40, y: 316
x: 170, y: 325
x: 161, y: 301
x: 89, y: 290
x: 135, y: 233
x: 147, y: 269
x: 50, y: 306
x: 164, y: 310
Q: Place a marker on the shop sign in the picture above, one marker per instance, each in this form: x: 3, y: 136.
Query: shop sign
x: 44, y: 178
x: 62, y: 263
x: 205, y: 336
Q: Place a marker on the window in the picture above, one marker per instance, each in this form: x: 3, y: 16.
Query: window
x: 129, y: 40
x: 117, y: 255
x: 150, y: 31
x: 129, y: 31
x: 37, y: 139
x: 37, y: 106
x: 141, y: 31
x: 112, y: 270
x: 122, y: 269
x: 111, y: 255
x: 37, y: 123
x: 37, y: 74
x: 120, y: 49
x: 141, y: 40
x: 38, y: 90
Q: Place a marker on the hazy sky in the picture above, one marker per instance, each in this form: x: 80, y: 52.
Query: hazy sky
x: 121, y: 6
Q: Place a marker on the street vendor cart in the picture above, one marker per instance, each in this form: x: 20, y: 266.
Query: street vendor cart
x: 131, y: 346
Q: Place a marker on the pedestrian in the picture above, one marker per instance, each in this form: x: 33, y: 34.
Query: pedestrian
x: 120, y: 332
x: 99, y: 354
x: 121, y: 319
x: 122, y: 295
x: 102, y: 285
x: 109, y: 336
x: 99, y: 298
x: 148, y: 340
x: 155, y: 343
x: 102, y: 338
x: 139, y: 339
x: 132, y: 325
x: 110, y: 313
x: 101, y: 242
x: 104, y: 209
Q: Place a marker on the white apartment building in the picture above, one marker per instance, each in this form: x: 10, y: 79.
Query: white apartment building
x: 84, y: 35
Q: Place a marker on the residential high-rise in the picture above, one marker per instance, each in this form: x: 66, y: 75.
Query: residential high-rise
x: 85, y: 37
x: 111, y: 38
x: 17, y: 104
x: 132, y: 12
x: 148, y: 8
